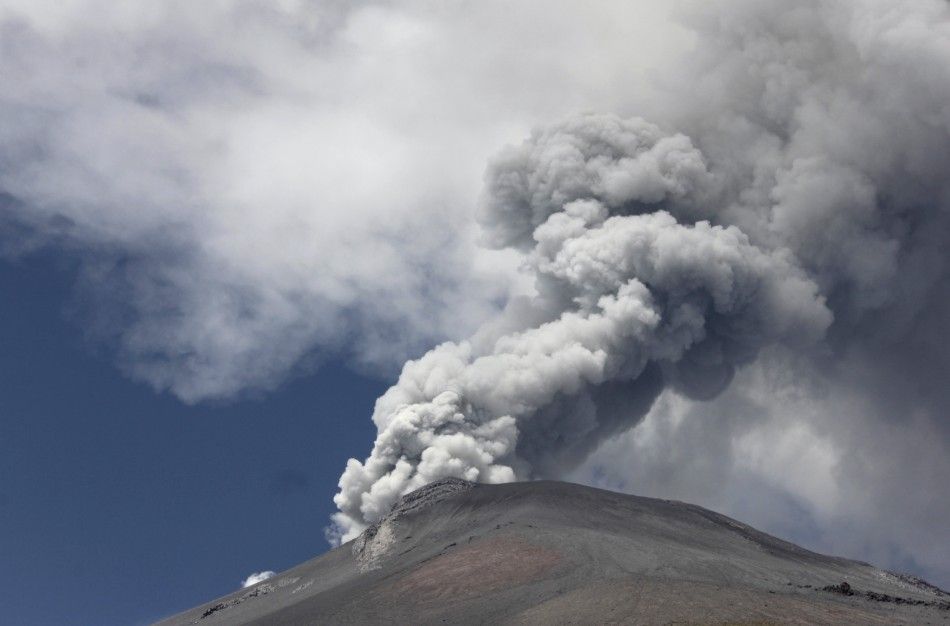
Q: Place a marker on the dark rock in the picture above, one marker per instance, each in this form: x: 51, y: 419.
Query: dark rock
x: 844, y: 589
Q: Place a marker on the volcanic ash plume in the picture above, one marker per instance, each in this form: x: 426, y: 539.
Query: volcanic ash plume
x: 629, y: 300
x: 807, y: 183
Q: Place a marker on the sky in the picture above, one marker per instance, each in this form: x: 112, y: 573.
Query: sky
x: 121, y: 506
x: 270, y: 265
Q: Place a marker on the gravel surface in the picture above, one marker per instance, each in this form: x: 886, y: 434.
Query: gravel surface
x: 557, y: 553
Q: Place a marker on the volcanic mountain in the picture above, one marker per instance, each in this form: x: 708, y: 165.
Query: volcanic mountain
x: 556, y: 553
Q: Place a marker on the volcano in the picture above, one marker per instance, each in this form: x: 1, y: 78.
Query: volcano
x: 547, y: 552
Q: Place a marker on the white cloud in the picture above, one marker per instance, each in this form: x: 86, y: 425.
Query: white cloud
x: 251, y: 184
x: 257, y: 577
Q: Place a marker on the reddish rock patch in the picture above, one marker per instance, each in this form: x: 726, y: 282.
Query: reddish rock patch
x: 475, y: 569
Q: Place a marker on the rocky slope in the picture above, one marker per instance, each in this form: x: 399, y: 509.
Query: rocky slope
x: 557, y: 553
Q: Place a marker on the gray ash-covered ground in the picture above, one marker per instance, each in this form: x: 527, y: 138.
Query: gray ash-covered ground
x: 557, y: 553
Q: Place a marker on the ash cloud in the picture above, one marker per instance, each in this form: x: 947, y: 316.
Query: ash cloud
x: 789, y: 198
x: 629, y: 300
x: 734, y: 284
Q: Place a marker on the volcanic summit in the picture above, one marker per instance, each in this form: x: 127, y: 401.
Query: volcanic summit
x: 558, y: 553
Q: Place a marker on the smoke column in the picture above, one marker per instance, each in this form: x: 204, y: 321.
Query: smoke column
x: 793, y: 194
x: 629, y: 300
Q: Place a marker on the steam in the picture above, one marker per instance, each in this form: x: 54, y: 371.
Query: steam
x: 794, y: 200
x: 257, y: 577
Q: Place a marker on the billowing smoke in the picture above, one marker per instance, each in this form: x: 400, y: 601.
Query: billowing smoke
x: 795, y: 200
x: 629, y: 300
x: 743, y: 299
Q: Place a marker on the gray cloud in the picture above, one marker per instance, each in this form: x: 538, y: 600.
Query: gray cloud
x: 806, y: 455
x: 802, y: 192
x: 824, y: 127
x: 740, y: 301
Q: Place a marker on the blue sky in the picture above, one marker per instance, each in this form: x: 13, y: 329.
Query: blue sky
x: 120, y: 506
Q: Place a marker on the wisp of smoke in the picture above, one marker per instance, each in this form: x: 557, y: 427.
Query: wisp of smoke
x: 257, y: 577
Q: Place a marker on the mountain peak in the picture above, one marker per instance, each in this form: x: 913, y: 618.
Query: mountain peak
x: 550, y: 552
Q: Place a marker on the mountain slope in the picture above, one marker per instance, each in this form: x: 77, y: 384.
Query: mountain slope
x: 550, y: 552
